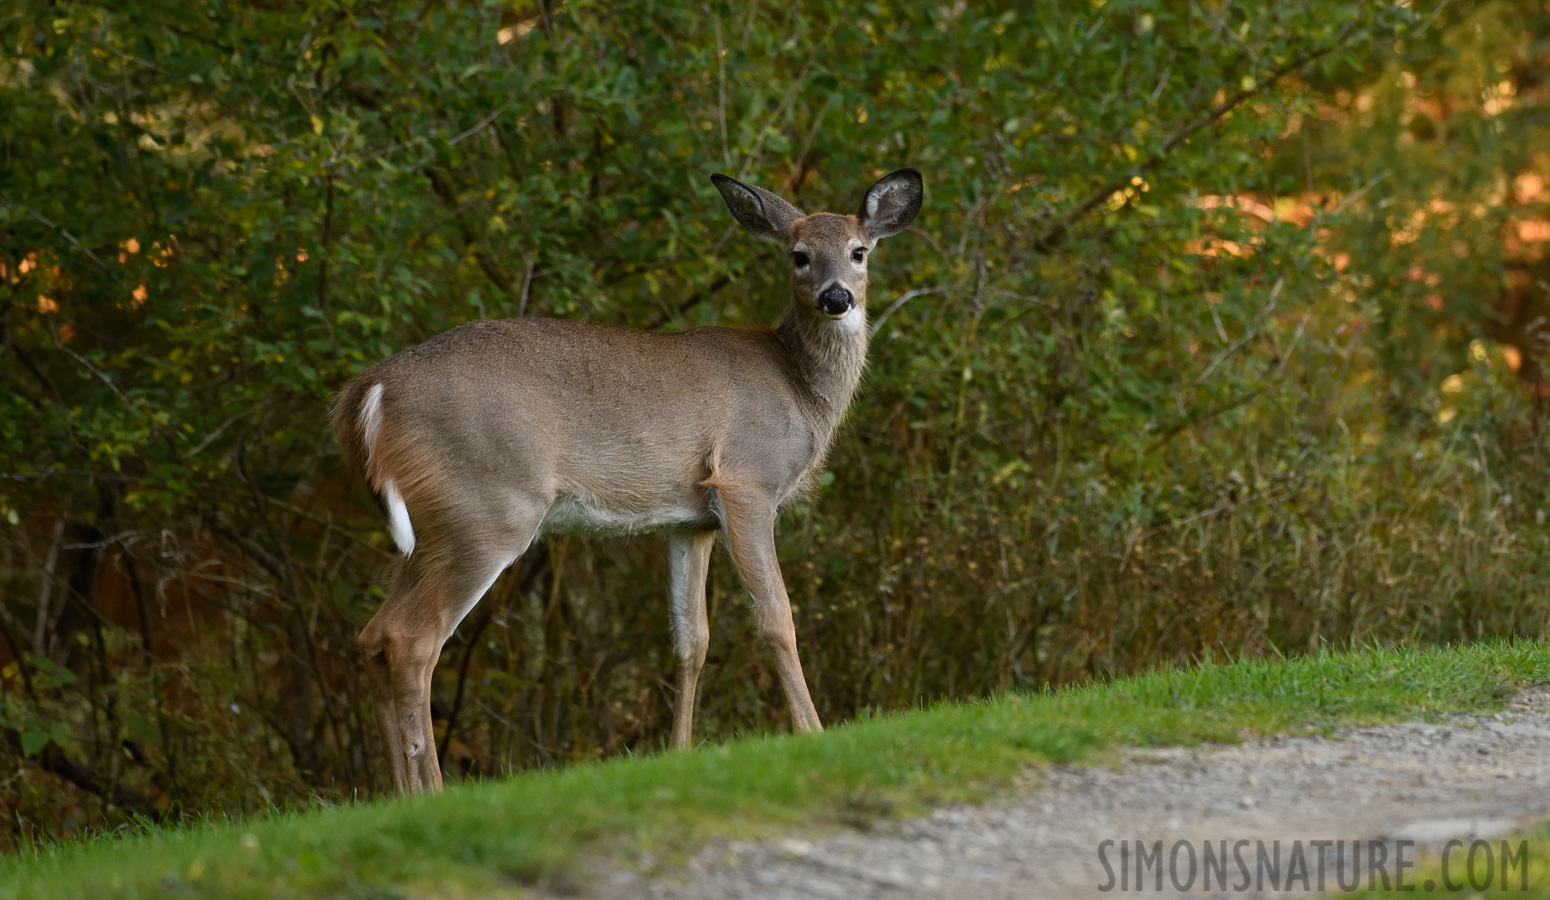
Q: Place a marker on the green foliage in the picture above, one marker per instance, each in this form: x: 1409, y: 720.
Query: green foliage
x: 478, y: 839
x: 1116, y: 420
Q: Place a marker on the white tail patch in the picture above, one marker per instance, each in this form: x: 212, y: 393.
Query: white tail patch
x: 371, y: 421
x: 398, y: 514
x: 398, y: 517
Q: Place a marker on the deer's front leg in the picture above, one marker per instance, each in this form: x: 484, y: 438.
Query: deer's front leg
x: 750, y: 527
x: 688, y: 559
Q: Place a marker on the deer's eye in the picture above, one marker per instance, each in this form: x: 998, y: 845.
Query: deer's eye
x: 858, y: 254
x: 799, y: 259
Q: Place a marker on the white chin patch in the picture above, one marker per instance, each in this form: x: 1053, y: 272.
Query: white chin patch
x: 853, y: 320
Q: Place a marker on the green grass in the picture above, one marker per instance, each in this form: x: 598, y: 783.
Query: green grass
x: 1527, y: 877
x: 493, y: 838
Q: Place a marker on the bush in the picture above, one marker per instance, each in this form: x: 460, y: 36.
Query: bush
x: 1157, y: 380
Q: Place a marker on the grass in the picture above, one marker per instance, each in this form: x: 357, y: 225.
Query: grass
x: 491, y: 839
x: 1526, y: 876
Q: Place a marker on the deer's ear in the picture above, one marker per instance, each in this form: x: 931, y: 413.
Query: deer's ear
x: 891, y: 204
x: 760, y: 211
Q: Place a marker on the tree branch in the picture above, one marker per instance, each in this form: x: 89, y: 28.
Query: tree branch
x: 1057, y: 232
x: 445, y: 193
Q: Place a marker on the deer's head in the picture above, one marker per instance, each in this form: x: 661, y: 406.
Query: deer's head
x: 828, y: 252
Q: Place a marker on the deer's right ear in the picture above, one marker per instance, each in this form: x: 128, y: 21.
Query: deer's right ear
x: 760, y: 211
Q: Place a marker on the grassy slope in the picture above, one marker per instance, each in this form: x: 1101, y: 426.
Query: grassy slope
x: 1496, y: 877
x: 483, y: 839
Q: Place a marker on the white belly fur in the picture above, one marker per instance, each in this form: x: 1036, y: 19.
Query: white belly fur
x: 573, y: 516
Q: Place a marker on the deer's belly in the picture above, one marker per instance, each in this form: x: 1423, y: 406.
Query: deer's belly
x: 572, y: 515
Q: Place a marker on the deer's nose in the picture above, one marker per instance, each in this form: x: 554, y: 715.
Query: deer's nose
x: 835, y: 301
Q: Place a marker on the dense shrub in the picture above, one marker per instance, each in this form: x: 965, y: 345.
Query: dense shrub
x: 1218, y: 336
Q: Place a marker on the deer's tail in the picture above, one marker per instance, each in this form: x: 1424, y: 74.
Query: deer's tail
x: 357, y: 421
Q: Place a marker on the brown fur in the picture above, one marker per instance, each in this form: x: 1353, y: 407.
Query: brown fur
x: 498, y: 429
x: 344, y: 419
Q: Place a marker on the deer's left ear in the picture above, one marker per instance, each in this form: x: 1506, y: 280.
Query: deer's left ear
x: 891, y: 204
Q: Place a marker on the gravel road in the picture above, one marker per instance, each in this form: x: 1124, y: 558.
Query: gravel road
x: 1405, y: 787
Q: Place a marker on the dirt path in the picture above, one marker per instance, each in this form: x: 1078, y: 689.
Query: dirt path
x: 1412, y: 782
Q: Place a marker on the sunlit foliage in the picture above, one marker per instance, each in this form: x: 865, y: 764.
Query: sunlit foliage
x: 1216, y: 337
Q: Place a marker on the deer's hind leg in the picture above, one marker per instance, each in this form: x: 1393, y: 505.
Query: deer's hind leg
x: 439, y: 584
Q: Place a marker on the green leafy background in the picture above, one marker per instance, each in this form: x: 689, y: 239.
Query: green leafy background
x: 1220, y: 335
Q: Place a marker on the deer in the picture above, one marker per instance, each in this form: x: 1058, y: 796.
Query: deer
x: 486, y: 436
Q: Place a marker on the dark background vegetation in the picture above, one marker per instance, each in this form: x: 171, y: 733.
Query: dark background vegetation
x: 1221, y: 334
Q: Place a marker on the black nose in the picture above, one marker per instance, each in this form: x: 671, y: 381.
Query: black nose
x: 835, y: 301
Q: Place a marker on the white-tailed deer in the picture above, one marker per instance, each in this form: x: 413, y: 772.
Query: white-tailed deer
x: 480, y: 439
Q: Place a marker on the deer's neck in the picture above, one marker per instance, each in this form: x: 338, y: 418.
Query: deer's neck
x: 830, y: 359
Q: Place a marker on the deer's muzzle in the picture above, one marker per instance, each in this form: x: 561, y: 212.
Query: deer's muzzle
x: 835, y: 301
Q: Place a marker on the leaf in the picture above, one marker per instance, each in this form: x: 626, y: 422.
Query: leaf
x: 33, y: 742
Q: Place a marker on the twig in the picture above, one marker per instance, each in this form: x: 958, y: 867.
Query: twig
x: 1334, y: 396
x: 785, y: 104
x: 89, y: 367
x: 906, y: 297
x: 358, y: 541
x: 44, y: 220
x: 448, y: 196
x: 1205, y: 415
x: 1026, y: 298
x: 1053, y: 235
x: 126, y: 538
x: 537, y: 568
x: 1249, y: 335
x: 198, y: 448
x: 40, y: 630
x: 1359, y: 193
x: 800, y: 159
x: 543, y: 12
x: 527, y: 283
x: 472, y: 130
x: 46, y: 473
